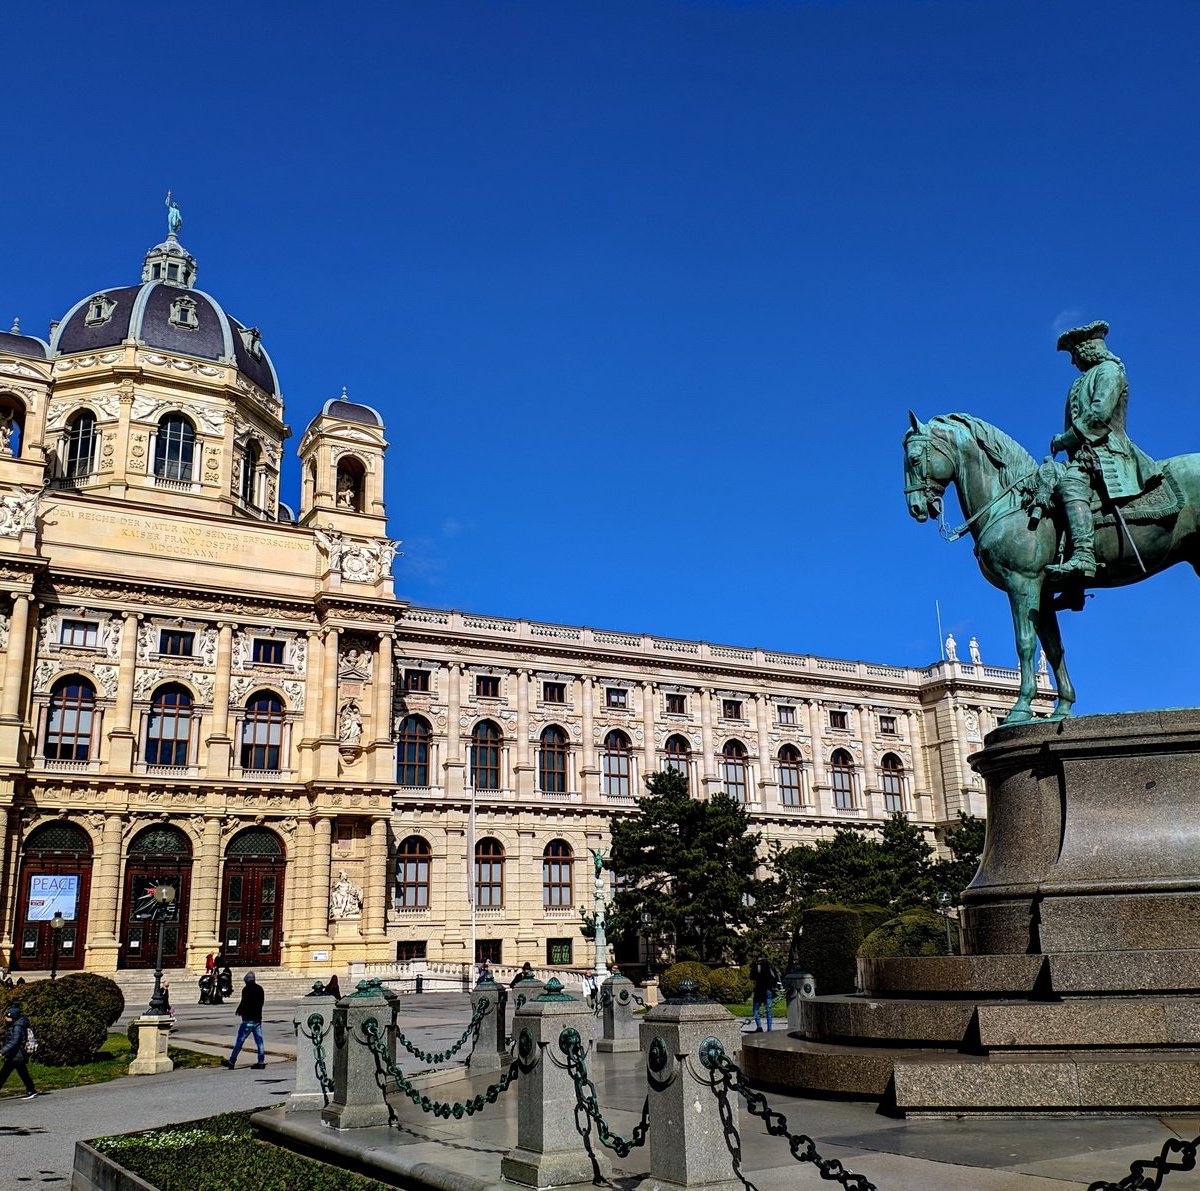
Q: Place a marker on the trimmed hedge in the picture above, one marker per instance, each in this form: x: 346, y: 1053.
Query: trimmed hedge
x: 70, y: 1017
x: 730, y: 986
x: 103, y: 993
x: 873, y: 917
x: 915, y: 932
x: 828, y: 947
x: 69, y: 1037
x: 669, y: 981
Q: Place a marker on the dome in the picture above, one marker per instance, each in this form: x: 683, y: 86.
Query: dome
x: 345, y: 410
x: 13, y: 343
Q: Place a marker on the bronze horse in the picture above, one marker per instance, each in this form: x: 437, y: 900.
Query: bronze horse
x: 994, y: 477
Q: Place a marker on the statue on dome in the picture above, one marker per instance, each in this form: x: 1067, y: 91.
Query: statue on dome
x: 174, y: 216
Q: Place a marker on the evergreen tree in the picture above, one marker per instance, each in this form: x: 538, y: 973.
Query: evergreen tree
x: 966, y: 847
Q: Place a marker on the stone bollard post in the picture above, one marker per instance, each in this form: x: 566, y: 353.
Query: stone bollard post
x: 683, y: 1108
x: 528, y: 989
x: 549, y: 1151
x: 154, y: 1031
x: 798, y: 987
x: 308, y: 1093
x: 619, y: 1029
x: 357, y: 1082
x: 491, y: 1051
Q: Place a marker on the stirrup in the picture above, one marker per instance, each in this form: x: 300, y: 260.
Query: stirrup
x: 1077, y: 564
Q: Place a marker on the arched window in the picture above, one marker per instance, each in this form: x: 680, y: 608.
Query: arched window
x: 791, y: 791
x: 733, y: 770
x: 262, y: 733
x: 891, y: 776
x: 558, y: 863
x: 412, y: 752
x: 552, y: 761
x: 412, y: 873
x: 489, y: 872
x: 169, y: 729
x: 616, y: 764
x: 841, y: 778
x: 70, y: 718
x: 250, y: 459
x: 350, y: 476
x: 485, y: 756
x: 678, y: 754
x: 174, y: 448
x: 79, y: 446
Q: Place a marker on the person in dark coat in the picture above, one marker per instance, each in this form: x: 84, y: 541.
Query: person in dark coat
x: 764, y: 979
x: 225, y: 983
x: 250, y: 1010
x: 16, y: 1030
x: 332, y: 989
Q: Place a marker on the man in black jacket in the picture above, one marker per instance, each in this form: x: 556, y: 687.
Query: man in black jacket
x: 16, y: 1030
x: 250, y: 1010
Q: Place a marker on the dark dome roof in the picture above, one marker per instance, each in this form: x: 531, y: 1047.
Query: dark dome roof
x: 23, y: 345
x: 348, y: 411
x: 143, y: 313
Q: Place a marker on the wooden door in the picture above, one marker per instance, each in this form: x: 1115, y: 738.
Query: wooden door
x: 252, y: 912
x: 41, y: 876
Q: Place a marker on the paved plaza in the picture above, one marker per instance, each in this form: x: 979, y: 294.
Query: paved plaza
x: 1056, y: 1154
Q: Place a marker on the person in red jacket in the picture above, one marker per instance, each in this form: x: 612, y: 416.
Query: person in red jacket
x: 250, y: 1010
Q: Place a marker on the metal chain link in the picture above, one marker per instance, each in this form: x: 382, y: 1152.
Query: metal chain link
x: 571, y: 1045
x: 1149, y: 1174
x: 714, y: 1059
x: 604, y: 999
x: 316, y: 1033
x: 472, y: 1032
x: 457, y: 1109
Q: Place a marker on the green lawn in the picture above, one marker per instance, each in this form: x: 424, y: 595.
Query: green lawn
x: 743, y: 1009
x: 223, y: 1154
x: 111, y: 1063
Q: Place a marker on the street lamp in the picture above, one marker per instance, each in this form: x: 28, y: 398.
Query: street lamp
x: 162, y: 910
x: 646, y: 921
x: 56, y: 929
x: 944, y: 909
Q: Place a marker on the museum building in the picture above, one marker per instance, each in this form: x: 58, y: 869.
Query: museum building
x: 204, y: 688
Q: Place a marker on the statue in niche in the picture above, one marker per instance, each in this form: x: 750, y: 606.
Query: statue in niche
x: 345, y: 898
x: 347, y: 491
x: 350, y: 724
x: 8, y: 425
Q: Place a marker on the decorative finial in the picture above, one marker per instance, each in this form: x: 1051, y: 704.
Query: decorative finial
x: 16, y: 327
x: 344, y: 396
x: 174, y: 217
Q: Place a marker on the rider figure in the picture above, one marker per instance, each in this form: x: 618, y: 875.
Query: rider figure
x: 1098, y: 449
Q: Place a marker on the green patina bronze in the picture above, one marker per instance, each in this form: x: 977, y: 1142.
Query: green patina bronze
x: 1044, y: 533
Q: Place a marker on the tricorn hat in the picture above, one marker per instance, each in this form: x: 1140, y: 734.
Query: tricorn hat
x: 1069, y: 340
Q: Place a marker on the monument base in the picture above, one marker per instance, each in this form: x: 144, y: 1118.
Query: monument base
x: 1080, y: 992
x: 154, y: 1032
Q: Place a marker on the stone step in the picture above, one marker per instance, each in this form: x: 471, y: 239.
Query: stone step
x: 1084, y: 1023
x: 779, y: 1060
x: 864, y: 1020
x: 1052, y: 1082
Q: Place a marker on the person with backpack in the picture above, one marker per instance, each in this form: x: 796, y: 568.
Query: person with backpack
x: 19, y: 1044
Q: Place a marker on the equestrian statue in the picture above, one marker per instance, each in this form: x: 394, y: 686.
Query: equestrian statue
x: 1044, y: 533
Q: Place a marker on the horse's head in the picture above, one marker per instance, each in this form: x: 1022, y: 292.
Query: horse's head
x: 928, y: 468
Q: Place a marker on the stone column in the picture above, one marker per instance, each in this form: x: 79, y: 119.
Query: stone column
x: 766, y: 762
x: 357, y: 1097
x: 491, y: 1051
x: 589, y: 774
x: 549, y: 1151
x: 5, y: 925
x: 312, y: 683
x: 649, y: 753
x: 708, y: 774
x: 329, y: 685
x: 812, y: 712
x: 14, y: 679
x: 523, y: 767
x: 455, y: 784
x: 870, y: 779
x: 206, y: 893
x: 377, y: 894
x: 313, y: 1024
x: 219, y: 743
x: 681, y: 1106
x: 619, y: 1028
x: 318, y: 907
x: 385, y: 753
x: 122, y: 740
x: 105, y: 897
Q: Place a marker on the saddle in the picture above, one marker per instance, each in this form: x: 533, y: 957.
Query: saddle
x: 1160, y: 502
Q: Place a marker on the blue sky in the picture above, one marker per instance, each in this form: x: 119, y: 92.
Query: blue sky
x: 644, y: 290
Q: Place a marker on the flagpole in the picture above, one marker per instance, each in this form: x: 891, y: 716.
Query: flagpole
x: 941, y: 635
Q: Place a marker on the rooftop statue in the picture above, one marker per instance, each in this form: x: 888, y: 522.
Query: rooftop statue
x: 174, y: 216
x: 1044, y: 533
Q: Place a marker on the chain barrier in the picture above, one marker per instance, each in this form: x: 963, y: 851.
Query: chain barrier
x: 1148, y: 1175
x: 571, y: 1045
x: 316, y: 1034
x: 457, y: 1109
x: 714, y: 1060
x: 471, y: 1032
x: 604, y: 999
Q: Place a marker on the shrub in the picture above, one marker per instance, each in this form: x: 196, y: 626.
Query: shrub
x: 873, y: 917
x: 915, y: 932
x: 67, y: 1038
x: 730, y: 986
x: 828, y: 947
x: 669, y: 981
x: 104, y: 994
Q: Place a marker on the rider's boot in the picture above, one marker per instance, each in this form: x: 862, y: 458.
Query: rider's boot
x: 1082, y: 563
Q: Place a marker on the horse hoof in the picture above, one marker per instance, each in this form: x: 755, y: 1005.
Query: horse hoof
x: 1059, y: 714
x: 1016, y: 717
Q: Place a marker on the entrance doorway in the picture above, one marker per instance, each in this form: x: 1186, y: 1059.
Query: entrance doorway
x: 252, y: 899
x: 56, y: 878
x: 156, y: 856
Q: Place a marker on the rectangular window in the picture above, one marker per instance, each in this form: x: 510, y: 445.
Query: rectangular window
x: 267, y: 652
x: 676, y: 704
x: 410, y: 949
x: 417, y: 681
x: 487, y: 686
x: 616, y: 697
x: 172, y: 272
x: 554, y: 692
x: 731, y: 709
x: 345, y: 837
x: 887, y: 725
x: 84, y: 633
x: 558, y: 953
x: 176, y: 644
x: 839, y: 719
x: 787, y: 714
x: 489, y: 951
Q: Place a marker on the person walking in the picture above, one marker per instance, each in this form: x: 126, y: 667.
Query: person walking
x: 16, y: 1031
x: 250, y: 1010
x: 765, y: 980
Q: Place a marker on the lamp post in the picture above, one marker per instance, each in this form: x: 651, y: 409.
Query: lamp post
x: 646, y: 921
x: 164, y: 908
x: 944, y: 909
x: 56, y: 929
